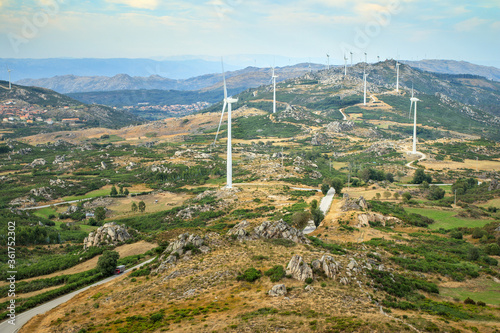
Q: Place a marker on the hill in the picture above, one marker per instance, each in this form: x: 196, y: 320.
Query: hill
x: 456, y: 67
x: 23, y: 105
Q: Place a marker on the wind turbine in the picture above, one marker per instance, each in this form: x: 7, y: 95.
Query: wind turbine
x: 397, y: 77
x: 364, y: 78
x: 345, y: 65
x: 328, y: 61
x: 9, y: 70
x: 273, y: 79
x: 366, y: 58
x: 227, y: 101
x: 414, y: 100
x: 351, y: 57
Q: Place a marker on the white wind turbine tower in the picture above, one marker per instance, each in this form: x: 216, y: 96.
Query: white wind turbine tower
x: 414, y: 100
x: 273, y: 79
x: 227, y: 101
x: 351, y: 58
x: 345, y: 65
x: 364, y: 78
x: 328, y: 61
x: 397, y: 76
x: 9, y: 70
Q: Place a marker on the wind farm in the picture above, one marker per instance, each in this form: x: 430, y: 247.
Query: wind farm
x: 201, y: 167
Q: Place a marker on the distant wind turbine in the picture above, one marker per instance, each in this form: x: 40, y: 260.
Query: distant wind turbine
x: 328, y: 61
x: 351, y: 58
x: 227, y: 101
x: 364, y: 78
x: 366, y: 58
x: 397, y: 76
x: 273, y: 79
x: 9, y: 70
x: 345, y: 65
x: 414, y: 100
x: 378, y: 58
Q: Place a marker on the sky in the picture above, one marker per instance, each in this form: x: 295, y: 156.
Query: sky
x: 294, y: 29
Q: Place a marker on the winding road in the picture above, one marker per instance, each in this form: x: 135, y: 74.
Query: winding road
x: 324, y: 206
x: 24, y: 317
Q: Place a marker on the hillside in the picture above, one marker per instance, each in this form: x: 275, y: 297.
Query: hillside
x: 237, y: 80
x: 409, y: 244
x: 456, y: 67
x: 25, y: 104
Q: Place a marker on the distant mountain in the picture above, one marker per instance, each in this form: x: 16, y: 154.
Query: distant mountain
x: 237, y: 80
x: 174, y: 69
x: 57, y: 106
x: 456, y: 67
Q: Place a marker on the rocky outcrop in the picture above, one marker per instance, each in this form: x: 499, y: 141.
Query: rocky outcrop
x: 277, y: 290
x: 59, y: 159
x: 327, y: 265
x: 43, y: 192
x: 319, y: 139
x: 339, y: 126
x: 354, y: 204
x: 24, y: 151
x: 184, y: 245
x: 191, y: 153
x: 267, y: 230
x: 299, y: 269
x: 109, y: 233
x: 365, y: 219
x: 188, y: 212
x: 494, y: 185
x: 58, y: 182
x: 38, y: 162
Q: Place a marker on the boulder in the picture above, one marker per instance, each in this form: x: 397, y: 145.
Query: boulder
x: 298, y: 269
x: 59, y: 159
x: 494, y: 185
x: 109, y: 233
x: 184, y: 240
x: 38, y: 162
x: 43, y: 192
x: 329, y: 266
x: 277, y: 290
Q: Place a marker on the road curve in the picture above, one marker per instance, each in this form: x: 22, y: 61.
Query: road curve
x: 24, y: 317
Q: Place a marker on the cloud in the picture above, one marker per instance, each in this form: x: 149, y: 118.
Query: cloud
x: 143, y: 4
x: 496, y: 25
x: 3, y: 2
x: 470, y: 24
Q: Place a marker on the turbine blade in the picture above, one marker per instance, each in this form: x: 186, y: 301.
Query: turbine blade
x: 224, y: 79
x: 220, y: 121
x: 409, y: 114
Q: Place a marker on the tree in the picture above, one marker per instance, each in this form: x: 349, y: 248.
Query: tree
x: 100, y: 214
x: 364, y: 174
x: 325, y: 188
x: 492, y: 249
x: 106, y: 264
x: 338, y: 185
x: 406, y: 196
x: 142, y: 206
x: 421, y: 176
x: 126, y: 192
x: 314, y: 204
x: 387, y: 195
x: 378, y: 195
x: 121, y: 189
x: 300, y: 220
x: 425, y: 184
x: 396, y: 195
x: 92, y: 222
x: 473, y: 254
x: 389, y: 177
x: 134, y: 207
x: 435, y: 193
x: 317, y: 216
x: 113, y: 191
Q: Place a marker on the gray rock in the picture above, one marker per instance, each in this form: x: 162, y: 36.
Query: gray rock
x: 309, y: 288
x: 277, y: 290
x: 109, y: 233
x: 329, y: 266
x: 298, y: 269
x: 38, y: 162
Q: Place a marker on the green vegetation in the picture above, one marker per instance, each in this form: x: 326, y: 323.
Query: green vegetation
x: 107, y: 263
x: 249, y: 275
x: 276, y: 273
x: 446, y: 219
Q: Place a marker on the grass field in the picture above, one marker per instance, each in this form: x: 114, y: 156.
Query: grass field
x: 486, y: 291
x: 445, y: 219
x: 93, y: 194
x: 45, y: 212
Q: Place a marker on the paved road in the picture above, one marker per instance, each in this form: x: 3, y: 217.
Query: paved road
x: 343, y: 114
x: 56, y: 204
x: 422, y: 157
x: 324, y: 206
x: 412, y: 185
x: 24, y: 317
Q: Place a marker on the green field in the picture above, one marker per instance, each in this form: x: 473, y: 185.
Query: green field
x: 487, y: 292
x: 446, y: 219
x: 45, y: 212
x: 92, y: 194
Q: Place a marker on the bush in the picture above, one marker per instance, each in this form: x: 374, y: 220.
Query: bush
x: 435, y: 193
x: 276, y: 273
x: 469, y: 300
x: 300, y: 219
x: 407, y: 196
x: 456, y: 235
x: 420, y: 177
x: 309, y: 280
x: 473, y: 254
x: 250, y: 275
x: 492, y: 249
x: 317, y: 216
x: 481, y: 303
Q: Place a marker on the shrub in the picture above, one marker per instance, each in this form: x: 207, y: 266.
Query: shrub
x: 419, y: 177
x: 407, y: 196
x: 481, y: 303
x: 492, y: 249
x: 106, y: 263
x: 276, y: 273
x: 300, y: 219
x: 469, y: 300
x: 250, y: 275
x: 456, y: 235
x: 435, y: 193
x: 308, y: 281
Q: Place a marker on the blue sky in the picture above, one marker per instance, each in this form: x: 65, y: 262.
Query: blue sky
x: 297, y: 29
